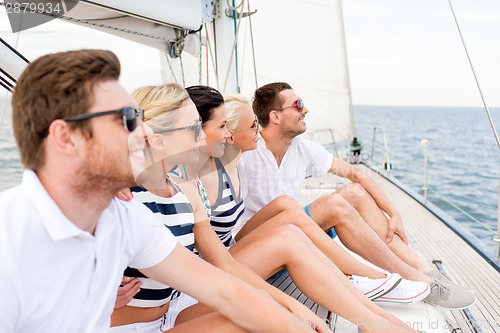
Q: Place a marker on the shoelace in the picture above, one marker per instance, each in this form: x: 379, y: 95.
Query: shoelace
x: 438, y: 284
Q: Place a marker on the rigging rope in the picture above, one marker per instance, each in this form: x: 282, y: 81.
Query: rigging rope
x: 214, y: 64
x: 253, y: 47
x: 234, y: 7
x: 233, y: 48
x: 200, y: 62
x: 482, y: 224
x: 235, y: 20
x: 170, y: 66
x: 4, y: 108
x: 475, y: 77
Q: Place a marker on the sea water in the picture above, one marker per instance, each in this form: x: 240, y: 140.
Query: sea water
x: 463, y: 157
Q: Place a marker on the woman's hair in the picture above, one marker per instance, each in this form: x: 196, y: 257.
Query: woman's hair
x: 206, y: 99
x: 158, y: 102
x: 233, y: 103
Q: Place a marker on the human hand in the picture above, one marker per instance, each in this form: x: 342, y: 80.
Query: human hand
x: 395, y: 226
x: 124, y: 194
x: 307, y: 320
x: 128, y: 289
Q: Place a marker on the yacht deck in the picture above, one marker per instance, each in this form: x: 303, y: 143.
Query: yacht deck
x: 435, y: 241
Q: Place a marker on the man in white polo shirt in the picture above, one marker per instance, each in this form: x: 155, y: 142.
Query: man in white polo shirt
x: 65, y: 241
x: 355, y: 211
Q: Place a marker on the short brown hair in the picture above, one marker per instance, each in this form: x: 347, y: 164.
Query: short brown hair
x: 52, y: 87
x: 266, y: 99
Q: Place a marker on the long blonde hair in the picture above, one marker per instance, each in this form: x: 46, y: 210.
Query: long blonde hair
x: 160, y: 103
x: 233, y: 103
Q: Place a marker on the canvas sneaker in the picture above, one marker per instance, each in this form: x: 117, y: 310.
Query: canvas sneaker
x: 374, y: 288
x: 438, y: 275
x: 407, y: 292
x: 450, y: 296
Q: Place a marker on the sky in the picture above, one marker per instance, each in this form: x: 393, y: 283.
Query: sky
x: 400, y: 52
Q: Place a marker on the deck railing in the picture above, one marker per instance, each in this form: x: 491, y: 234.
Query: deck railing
x: 497, y: 237
x: 386, y: 164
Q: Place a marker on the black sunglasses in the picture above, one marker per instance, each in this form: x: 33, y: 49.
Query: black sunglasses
x: 196, y: 128
x: 299, y: 105
x: 128, y: 113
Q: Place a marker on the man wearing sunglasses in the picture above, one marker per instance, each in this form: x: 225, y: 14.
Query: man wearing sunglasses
x: 282, y: 161
x: 65, y: 240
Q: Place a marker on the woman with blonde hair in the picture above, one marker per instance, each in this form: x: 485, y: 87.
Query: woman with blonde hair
x: 155, y: 307
x: 271, y: 247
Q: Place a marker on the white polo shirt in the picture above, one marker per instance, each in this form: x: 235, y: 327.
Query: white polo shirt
x: 55, y: 277
x: 266, y: 181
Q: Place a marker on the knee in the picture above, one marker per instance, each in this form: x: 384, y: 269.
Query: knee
x: 290, y: 234
x: 355, y: 194
x: 285, y: 202
x: 337, y: 206
x: 296, y: 216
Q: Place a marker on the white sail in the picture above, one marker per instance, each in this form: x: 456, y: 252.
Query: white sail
x: 284, y: 35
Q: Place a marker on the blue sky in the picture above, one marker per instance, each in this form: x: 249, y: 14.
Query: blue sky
x: 401, y: 52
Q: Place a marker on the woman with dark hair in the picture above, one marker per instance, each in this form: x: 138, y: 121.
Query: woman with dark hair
x: 265, y: 251
x: 154, y: 307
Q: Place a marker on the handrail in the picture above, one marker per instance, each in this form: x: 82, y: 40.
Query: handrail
x: 497, y: 238
x: 425, y: 145
x: 332, y: 135
x: 386, y: 165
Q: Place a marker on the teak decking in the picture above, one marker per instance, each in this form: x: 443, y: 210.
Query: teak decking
x: 435, y: 241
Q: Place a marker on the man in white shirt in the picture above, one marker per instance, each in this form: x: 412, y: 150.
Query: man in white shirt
x: 65, y: 241
x: 283, y: 160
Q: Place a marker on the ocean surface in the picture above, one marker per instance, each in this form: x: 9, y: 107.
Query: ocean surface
x: 464, y: 160
x: 463, y: 157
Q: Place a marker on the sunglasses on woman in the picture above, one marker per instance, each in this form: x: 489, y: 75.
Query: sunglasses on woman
x: 196, y: 128
x: 254, y: 127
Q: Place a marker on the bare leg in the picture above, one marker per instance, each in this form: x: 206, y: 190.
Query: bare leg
x: 362, y: 201
x: 343, y: 260
x: 267, y: 212
x: 204, y: 322
x: 334, y: 211
x: 314, y: 274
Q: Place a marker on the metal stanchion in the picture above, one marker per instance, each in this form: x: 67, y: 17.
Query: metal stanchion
x: 425, y: 144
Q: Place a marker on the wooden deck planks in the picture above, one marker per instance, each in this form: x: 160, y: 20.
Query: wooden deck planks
x: 434, y: 240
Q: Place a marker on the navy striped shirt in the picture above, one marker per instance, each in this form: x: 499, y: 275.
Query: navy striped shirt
x: 176, y: 213
x: 227, y: 208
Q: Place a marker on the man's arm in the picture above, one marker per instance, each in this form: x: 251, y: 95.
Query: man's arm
x: 343, y: 169
x: 242, y: 304
x: 213, y: 251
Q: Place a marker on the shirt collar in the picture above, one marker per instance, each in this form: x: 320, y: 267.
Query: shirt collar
x: 58, y: 226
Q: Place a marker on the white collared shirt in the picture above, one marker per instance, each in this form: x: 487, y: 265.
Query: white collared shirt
x: 55, y: 277
x: 266, y: 181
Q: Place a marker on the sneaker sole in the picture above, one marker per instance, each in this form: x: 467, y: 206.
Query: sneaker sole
x: 408, y: 300
x: 459, y: 308
x: 385, y: 287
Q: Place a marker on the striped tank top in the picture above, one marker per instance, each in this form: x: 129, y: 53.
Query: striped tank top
x: 176, y: 213
x: 227, y: 208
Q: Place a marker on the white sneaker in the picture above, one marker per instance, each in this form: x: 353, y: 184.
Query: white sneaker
x: 407, y: 292
x: 375, y: 288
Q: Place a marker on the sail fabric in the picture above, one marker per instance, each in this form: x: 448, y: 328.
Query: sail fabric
x: 302, y: 43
